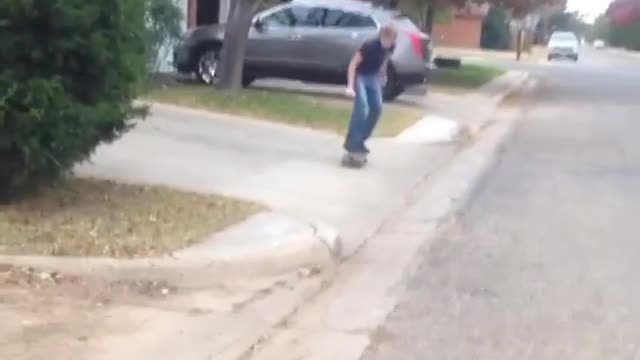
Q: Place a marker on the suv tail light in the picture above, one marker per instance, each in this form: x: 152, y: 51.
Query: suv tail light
x: 418, y: 46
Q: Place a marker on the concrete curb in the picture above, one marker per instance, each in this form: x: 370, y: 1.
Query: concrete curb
x: 346, y: 317
x: 434, y: 128
x: 497, y: 90
x: 265, y: 245
x: 504, y: 85
x: 344, y: 320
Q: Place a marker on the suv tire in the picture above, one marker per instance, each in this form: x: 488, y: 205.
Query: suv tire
x: 207, y: 66
x: 247, y: 81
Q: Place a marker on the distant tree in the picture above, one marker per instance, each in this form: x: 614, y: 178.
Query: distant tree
x: 496, y: 33
x: 621, y: 24
x: 570, y: 21
x: 163, y: 19
x: 624, y: 12
x: 427, y: 13
x: 626, y: 36
x: 601, y: 28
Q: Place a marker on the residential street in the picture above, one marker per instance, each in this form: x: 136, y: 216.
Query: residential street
x: 544, y: 262
x: 309, y: 180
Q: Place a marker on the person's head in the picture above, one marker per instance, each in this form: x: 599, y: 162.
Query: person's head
x: 388, y: 36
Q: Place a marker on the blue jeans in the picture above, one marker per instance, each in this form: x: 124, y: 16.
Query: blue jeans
x: 367, y: 108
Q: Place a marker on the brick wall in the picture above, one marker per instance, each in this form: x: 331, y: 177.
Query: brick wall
x: 461, y: 32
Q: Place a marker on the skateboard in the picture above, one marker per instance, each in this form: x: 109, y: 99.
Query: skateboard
x: 353, y: 160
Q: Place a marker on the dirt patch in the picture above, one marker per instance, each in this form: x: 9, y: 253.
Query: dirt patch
x: 55, y: 316
x: 520, y: 97
x: 88, y: 217
x: 514, y: 99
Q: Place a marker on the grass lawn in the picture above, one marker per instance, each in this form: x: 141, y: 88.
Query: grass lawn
x: 315, y: 111
x: 465, y: 77
x: 86, y: 217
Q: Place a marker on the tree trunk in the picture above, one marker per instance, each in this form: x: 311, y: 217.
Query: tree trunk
x: 430, y: 18
x: 235, y: 44
x: 519, y: 44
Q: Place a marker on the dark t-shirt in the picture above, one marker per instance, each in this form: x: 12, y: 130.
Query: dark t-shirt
x: 373, y: 57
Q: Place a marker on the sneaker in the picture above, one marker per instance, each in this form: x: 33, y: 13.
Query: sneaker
x: 356, y: 160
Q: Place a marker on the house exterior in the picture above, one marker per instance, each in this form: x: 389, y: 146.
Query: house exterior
x: 204, y: 12
x: 463, y: 31
x: 464, y: 28
x: 196, y: 13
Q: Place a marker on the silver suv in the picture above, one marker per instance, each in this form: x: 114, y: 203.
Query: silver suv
x: 313, y: 41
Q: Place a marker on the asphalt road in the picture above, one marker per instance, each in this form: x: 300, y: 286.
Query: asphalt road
x: 545, y: 262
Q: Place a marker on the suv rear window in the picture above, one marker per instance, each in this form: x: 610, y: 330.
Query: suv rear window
x: 339, y: 18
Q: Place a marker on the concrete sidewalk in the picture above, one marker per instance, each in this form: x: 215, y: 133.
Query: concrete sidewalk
x: 536, y: 54
x: 294, y: 171
x: 289, y: 169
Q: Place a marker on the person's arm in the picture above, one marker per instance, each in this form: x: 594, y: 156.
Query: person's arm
x: 351, y: 73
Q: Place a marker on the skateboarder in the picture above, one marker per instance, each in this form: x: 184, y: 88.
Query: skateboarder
x: 366, y: 77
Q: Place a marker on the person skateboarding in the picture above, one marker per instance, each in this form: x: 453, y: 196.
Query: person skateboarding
x: 365, y: 80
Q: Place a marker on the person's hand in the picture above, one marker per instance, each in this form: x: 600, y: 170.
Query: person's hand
x: 350, y: 92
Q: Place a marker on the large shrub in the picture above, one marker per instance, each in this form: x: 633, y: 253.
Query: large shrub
x: 69, y: 70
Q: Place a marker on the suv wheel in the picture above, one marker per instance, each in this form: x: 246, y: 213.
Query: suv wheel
x: 247, y: 81
x: 208, y: 65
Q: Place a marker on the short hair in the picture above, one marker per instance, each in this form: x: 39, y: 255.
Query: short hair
x: 389, y: 31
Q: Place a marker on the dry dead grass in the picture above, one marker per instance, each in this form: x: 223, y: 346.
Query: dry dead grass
x: 88, y: 217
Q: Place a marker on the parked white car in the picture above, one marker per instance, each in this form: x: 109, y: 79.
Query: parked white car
x: 598, y: 44
x: 563, y: 45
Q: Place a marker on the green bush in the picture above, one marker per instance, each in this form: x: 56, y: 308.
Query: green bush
x: 69, y: 72
x: 496, y: 34
x: 627, y: 36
